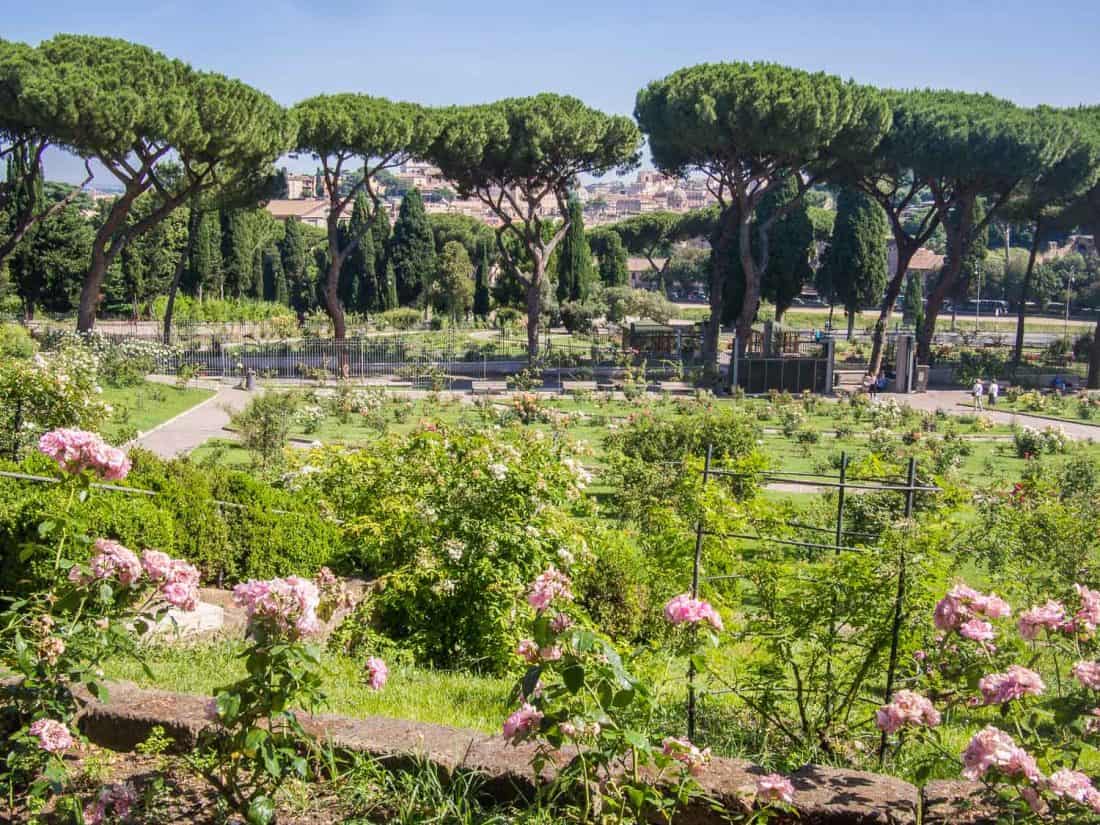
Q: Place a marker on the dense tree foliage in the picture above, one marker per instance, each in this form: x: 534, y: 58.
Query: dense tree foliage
x: 743, y: 126
x: 791, y: 240
x: 517, y: 154
x: 342, y: 129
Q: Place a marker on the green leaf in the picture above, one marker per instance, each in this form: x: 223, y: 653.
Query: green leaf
x: 255, y: 738
x: 636, y: 739
x: 261, y: 811
x: 573, y: 677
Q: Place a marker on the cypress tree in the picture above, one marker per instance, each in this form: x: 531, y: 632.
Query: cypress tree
x: 614, y: 269
x: 258, y: 291
x: 481, y: 282
x: 274, y: 274
x: 237, y: 254
x: 380, y: 229
x: 412, y: 249
x: 913, y: 301
x: 356, y: 272
x: 574, y: 259
x: 854, y: 270
x: 293, y: 253
x: 206, y: 256
x: 390, y: 294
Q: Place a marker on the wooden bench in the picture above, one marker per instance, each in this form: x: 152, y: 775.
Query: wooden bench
x: 676, y: 387
x: 848, y: 382
x: 489, y: 387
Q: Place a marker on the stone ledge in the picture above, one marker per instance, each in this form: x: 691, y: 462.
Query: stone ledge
x: 824, y: 796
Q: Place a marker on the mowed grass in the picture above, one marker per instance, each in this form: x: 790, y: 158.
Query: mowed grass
x: 441, y: 697
x: 148, y: 404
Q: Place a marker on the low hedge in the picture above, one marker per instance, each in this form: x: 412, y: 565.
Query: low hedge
x: 271, y: 533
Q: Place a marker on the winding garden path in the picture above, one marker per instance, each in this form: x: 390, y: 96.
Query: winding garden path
x: 189, y: 429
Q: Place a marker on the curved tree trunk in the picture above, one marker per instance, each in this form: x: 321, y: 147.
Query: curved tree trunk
x: 1021, y: 308
x: 333, y: 305
x: 534, y: 309
x: 958, y: 238
x: 193, y: 219
x: 712, y: 331
x: 893, y: 289
x: 89, y: 292
x: 851, y: 322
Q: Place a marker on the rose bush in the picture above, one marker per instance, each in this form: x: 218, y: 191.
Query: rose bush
x: 57, y: 638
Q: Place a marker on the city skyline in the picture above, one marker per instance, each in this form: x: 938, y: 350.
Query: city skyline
x: 435, y: 53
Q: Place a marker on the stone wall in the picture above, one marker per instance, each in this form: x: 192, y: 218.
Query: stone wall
x: 824, y: 796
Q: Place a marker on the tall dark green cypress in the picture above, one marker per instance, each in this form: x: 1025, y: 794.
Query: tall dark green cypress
x: 354, y: 289
x: 574, y: 259
x: 390, y: 293
x: 412, y: 249
x: 614, y: 265
x: 481, y: 281
x: 854, y: 270
x: 293, y: 251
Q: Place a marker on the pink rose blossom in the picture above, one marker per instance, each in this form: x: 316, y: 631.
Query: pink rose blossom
x: 560, y: 623
x: 1088, y: 616
x: 976, y: 630
x: 116, y: 800
x: 683, y: 609
x: 687, y: 754
x: 528, y: 649
x: 79, y: 450
x: 1015, y: 683
x: 113, y: 561
x: 521, y: 723
x: 961, y: 604
x: 284, y: 606
x: 907, y: 708
x: 1088, y: 674
x: 51, y: 649
x: 1050, y: 615
x: 550, y: 653
x: 993, y: 748
x: 377, y: 673
x: 547, y: 587
x: 1070, y: 785
x: 53, y: 736
x: 775, y: 787
x: 157, y: 565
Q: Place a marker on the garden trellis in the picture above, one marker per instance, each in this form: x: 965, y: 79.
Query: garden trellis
x: 841, y: 539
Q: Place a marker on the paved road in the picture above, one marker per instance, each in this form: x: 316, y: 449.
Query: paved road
x: 960, y: 402
x: 188, y: 430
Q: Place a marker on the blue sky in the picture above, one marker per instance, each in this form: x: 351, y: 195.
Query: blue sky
x: 445, y: 52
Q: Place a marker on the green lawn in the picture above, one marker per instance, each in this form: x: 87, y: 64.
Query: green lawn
x: 144, y: 406
x: 442, y: 697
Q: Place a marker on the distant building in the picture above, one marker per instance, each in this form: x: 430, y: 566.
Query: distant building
x: 300, y: 186
x: 924, y: 261
x: 313, y: 211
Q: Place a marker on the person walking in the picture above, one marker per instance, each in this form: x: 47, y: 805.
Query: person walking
x: 979, y: 392
x: 994, y: 391
x: 869, y: 386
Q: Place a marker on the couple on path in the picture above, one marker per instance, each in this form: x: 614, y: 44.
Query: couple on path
x: 979, y: 392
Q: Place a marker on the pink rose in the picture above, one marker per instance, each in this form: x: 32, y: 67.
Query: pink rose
x: 521, y: 723
x: 1015, y: 683
x: 684, y: 609
x: 53, y: 736
x: 687, y: 754
x: 548, y: 587
x: 775, y: 787
x: 377, y: 673
x: 1050, y: 616
x: 907, y: 708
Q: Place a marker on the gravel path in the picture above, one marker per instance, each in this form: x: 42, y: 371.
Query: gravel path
x: 188, y: 430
